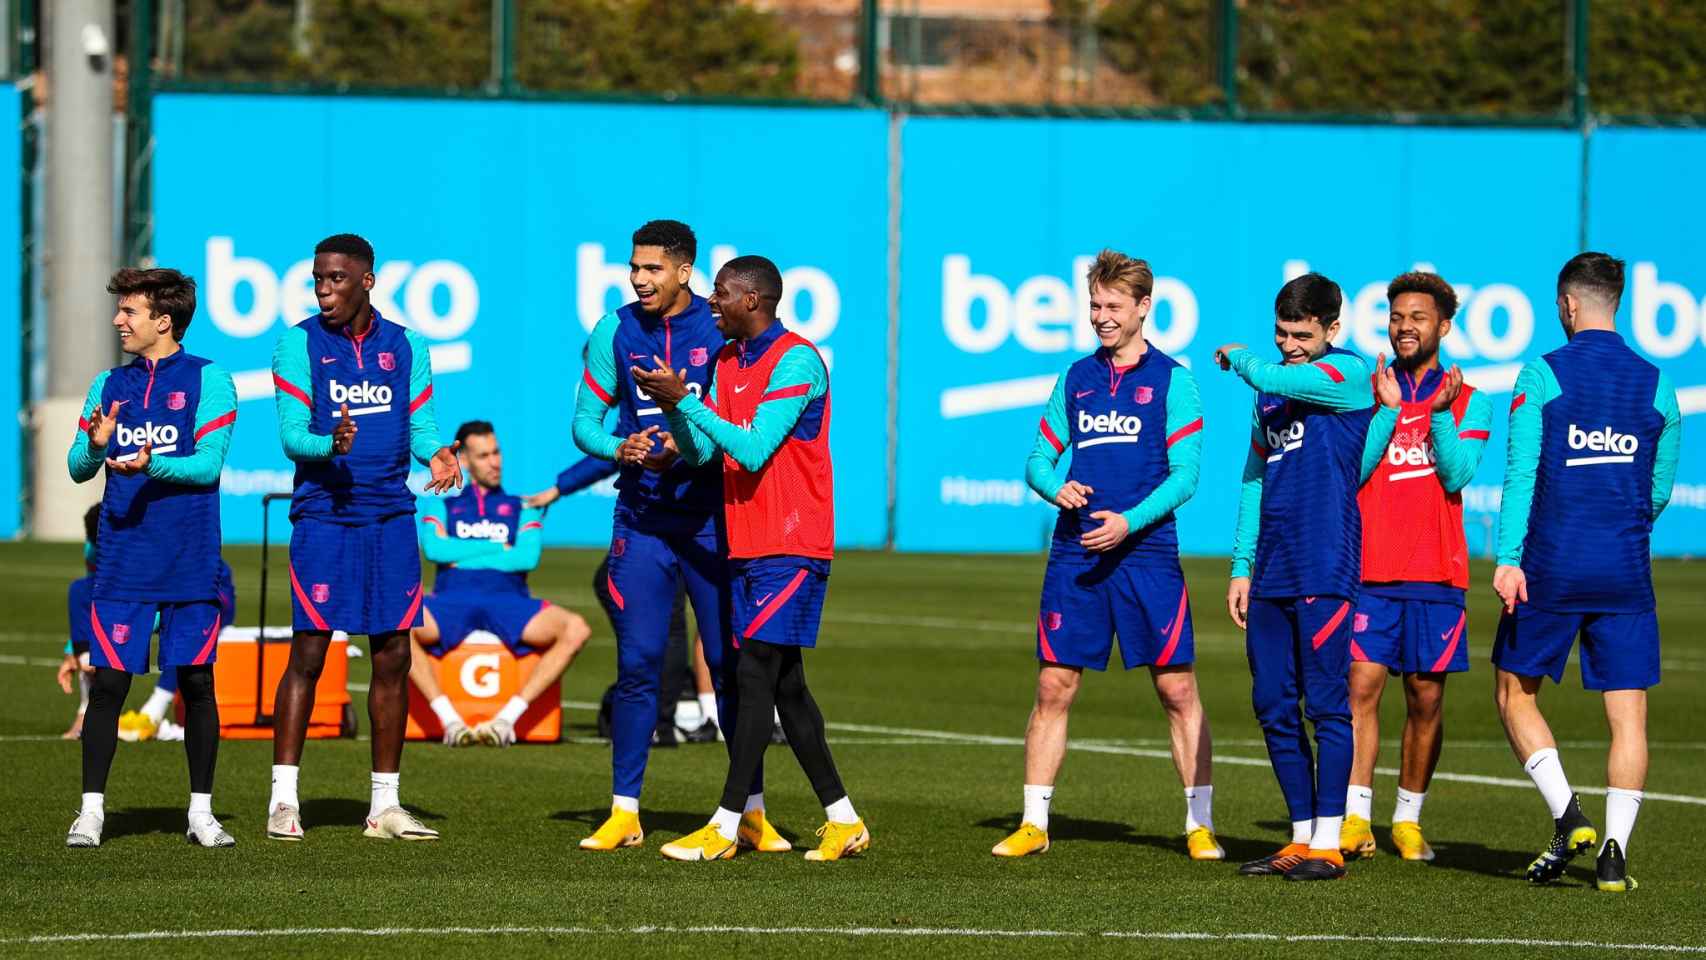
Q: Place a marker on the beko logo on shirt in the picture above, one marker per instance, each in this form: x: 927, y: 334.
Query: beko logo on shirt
x: 1279, y: 441
x: 363, y: 397
x: 1113, y: 427
x: 1615, y: 447
x: 1419, y: 455
x: 163, y: 438
x: 654, y: 410
x: 482, y: 530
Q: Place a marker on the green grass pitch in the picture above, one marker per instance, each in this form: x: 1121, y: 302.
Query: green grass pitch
x: 925, y: 673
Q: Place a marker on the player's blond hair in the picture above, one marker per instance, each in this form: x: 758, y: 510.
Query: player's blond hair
x: 1116, y: 271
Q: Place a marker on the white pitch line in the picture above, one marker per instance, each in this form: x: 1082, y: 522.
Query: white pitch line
x: 901, y: 932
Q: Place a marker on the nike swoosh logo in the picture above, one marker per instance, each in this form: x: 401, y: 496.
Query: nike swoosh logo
x: 1446, y: 635
x: 764, y: 599
x: 740, y: 388
x: 636, y: 356
x: 328, y: 359
x: 1419, y: 416
x: 1082, y: 394
x: 412, y: 590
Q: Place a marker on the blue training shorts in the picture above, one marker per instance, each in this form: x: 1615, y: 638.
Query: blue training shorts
x: 361, y: 579
x: 1410, y: 636
x: 1086, y: 602
x: 1620, y: 651
x: 504, y: 615
x: 778, y: 600
x: 189, y: 633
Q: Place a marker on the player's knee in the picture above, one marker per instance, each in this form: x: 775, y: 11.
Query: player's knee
x: 574, y: 632
x: 1424, y: 702
x: 108, y: 685
x: 1056, y: 689
x: 195, y: 684
x: 1178, y: 693
x: 391, y: 659
x: 307, y: 660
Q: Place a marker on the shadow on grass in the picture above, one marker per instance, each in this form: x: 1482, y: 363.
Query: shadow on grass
x: 1062, y: 828
x: 342, y: 811
x: 1466, y: 856
x: 132, y: 821
x: 668, y: 821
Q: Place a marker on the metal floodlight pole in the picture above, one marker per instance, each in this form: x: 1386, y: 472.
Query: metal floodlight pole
x: 870, y: 79
x: 503, y: 46
x: 139, y: 137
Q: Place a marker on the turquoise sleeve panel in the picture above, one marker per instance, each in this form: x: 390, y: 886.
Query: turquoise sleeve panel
x: 1458, y: 446
x: 1670, y: 445
x: 524, y: 555
x: 1250, y: 500
x: 215, y: 420
x: 424, y: 440
x: 1184, y: 453
x: 1379, y: 436
x: 436, y: 541
x: 1337, y: 381
x: 1051, y: 443
x: 1535, y: 387
x: 597, y: 392
x: 798, y: 378
x: 83, y: 460
x: 293, y: 387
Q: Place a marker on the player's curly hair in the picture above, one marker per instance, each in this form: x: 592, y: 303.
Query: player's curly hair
x: 167, y: 292
x: 1116, y: 271
x: 1309, y: 296
x: 349, y: 245
x: 676, y: 239
x: 1432, y: 284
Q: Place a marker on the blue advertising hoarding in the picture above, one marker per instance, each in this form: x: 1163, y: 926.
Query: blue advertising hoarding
x: 502, y: 233
x: 11, y: 296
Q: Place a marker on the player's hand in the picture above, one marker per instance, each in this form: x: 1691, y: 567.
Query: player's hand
x: 665, y: 385
x: 665, y: 458
x: 1223, y: 355
x: 1511, y: 584
x: 101, y: 426
x: 543, y: 498
x: 343, y: 435
x: 67, y: 669
x: 1449, y: 387
x: 636, y: 448
x: 1073, y: 495
x: 446, y: 471
x: 1238, y: 601
x: 135, y: 465
x: 1107, y: 536
x: 1386, y: 385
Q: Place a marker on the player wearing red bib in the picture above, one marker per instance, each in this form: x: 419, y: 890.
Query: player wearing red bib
x: 1410, y: 616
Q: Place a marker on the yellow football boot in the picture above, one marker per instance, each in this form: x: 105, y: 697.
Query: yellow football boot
x: 1356, y: 838
x: 756, y: 833
x: 840, y: 840
x: 1407, y: 838
x: 621, y: 830
x: 705, y: 843
x: 130, y: 724
x: 1025, y: 841
x: 1202, y: 845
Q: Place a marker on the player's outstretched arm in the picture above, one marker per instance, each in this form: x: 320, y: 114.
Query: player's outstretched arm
x: 437, y: 543
x: 1250, y: 502
x: 584, y: 473
x: 1535, y: 386
x: 597, y: 392
x: 524, y: 556
x: 1184, y: 453
x: 1458, y: 447
x: 293, y: 387
x: 798, y: 379
x: 1670, y: 445
x: 1337, y: 381
x: 1052, y: 432
x: 86, y: 456
x: 215, y: 420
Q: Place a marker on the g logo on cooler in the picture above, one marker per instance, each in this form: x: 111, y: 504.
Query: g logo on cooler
x: 1612, y: 447
x: 1113, y: 428
x: 363, y: 398
x: 481, y: 675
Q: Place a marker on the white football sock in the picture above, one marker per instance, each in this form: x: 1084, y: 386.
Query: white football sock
x: 201, y: 803
x: 1621, y: 808
x: 625, y: 804
x: 708, y: 706
x: 512, y: 710
x: 755, y: 802
x: 1327, y: 833
x: 727, y: 822
x: 1037, y: 797
x: 283, y: 787
x: 1199, y: 807
x: 1408, y: 809
x: 1302, y: 831
x: 95, y: 803
x: 446, y: 712
x: 384, y: 793
x: 155, y: 707
x: 82, y: 693
x: 1359, y: 802
x: 1547, y: 772
x: 841, y: 811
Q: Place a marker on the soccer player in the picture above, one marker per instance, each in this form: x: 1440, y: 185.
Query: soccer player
x: 1594, y: 438
x: 1295, y: 562
x: 355, y: 563
x: 667, y: 522
x: 1132, y: 416
x: 1425, y: 443
x: 161, y: 425
x: 768, y: 414
x: 485, y: 541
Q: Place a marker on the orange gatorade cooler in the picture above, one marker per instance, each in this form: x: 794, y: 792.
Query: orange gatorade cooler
x: 245, y: 681
x: 479, y: 677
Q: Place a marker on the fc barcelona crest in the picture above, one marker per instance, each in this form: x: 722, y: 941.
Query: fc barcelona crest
x: 1053, y: 621
x: 387, y: 361
x: 121, y: 633
x: 505, y: 509
x: 699, y: 357
x: 322, y: 592
x: 1360, y: 623
x: 1145, y: 394
x: 618, y: 546
x: 175, y: 400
